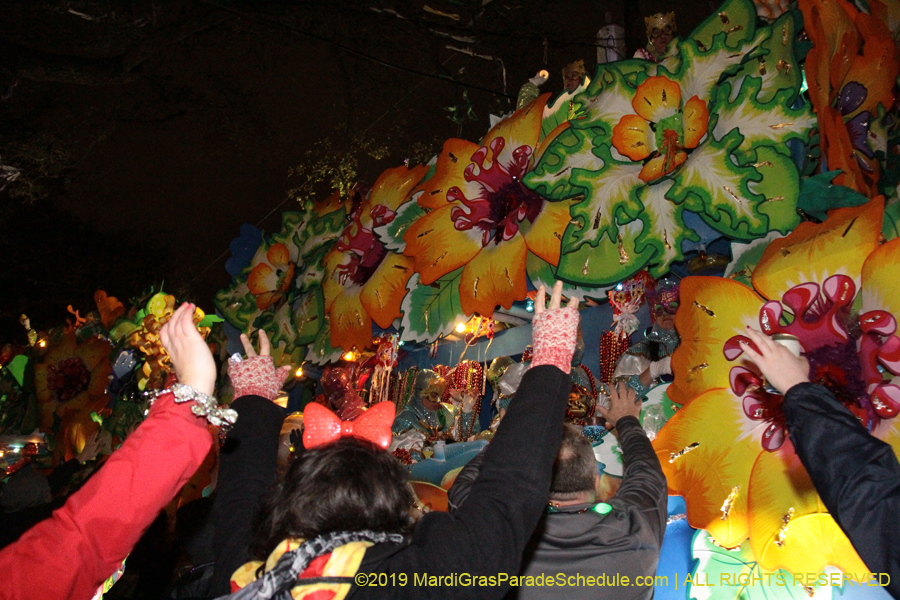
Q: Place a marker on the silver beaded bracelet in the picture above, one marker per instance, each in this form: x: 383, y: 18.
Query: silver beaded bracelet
x: 204, y: 406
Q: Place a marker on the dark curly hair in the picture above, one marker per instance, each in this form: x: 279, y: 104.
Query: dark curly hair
x: 349, y: 485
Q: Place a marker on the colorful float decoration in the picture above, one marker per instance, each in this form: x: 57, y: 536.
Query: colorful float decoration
x: 831, y: 286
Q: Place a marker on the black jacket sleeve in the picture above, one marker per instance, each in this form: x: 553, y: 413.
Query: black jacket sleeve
x: 248, y: 466
x: 643, y: 482
x: 462, y: 485
x: 488, y: 533
x: 856, y: 474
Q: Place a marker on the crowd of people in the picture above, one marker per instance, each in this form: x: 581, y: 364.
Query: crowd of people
x: 527, y: 516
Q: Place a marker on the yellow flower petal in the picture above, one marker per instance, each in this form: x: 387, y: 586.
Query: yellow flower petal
x: 383, y: 293
x: 449, y: 171
x: 812, y: 539
x: 633, y: 138
x: 695, y: 119
x: 495, y: 276
x: 544, y: 236
x: 814, y: 252
x: 713, y: 310
x: 657, y: 98
x: 707, y: 474
x: 350, y: 323
x: 880, y: 274
x: 331, y: 285
x: 437, y: 246
x: 392, y: 189
x: 522, y: 128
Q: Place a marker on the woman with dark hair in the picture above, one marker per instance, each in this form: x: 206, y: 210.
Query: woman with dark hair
x: 338, y: 526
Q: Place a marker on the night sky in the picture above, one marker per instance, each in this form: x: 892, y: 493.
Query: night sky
x: 148, y: 131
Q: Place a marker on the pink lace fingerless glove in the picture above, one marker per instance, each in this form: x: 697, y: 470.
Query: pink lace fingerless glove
x: 257, y: 376
x: 554, y: 334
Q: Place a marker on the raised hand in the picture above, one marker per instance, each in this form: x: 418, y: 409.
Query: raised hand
x: 193, y: 362
x: 776, y: 363
x: 621, y: 404
x: 91, y: 448
x: 257, y: 374
x: 554, y: 330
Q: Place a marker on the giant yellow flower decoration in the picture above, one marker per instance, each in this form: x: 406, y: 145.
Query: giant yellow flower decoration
x: 662, y: 129
x: 363, y: 280
x: 482, y: 218
x: 70, y: 382
x: 727, y: 451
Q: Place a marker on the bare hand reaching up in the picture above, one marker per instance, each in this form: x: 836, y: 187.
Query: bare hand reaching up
x: 621, y: 404
x: 777, y: 364
x: 193, y: 362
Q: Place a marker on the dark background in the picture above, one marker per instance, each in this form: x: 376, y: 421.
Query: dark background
x: 147, y: 131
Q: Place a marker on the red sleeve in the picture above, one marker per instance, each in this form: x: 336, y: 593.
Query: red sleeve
x: 71, y: 554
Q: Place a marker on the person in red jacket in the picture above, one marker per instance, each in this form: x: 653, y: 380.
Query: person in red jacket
x: 71, y: 554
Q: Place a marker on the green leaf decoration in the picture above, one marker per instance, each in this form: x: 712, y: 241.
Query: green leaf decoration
x: 780, y: 186
x: 728, y: 204
x: 236, y: 304
x: 701, y: 71
x: 124, y: 327
x: 323, y: 231
x: 321, y: 351
x: 540, y: 272
x: 308, y: 315
x: 313, y: 272
x: 664, y: 229
x: 733, y: 23
x: 745, y: 257
x: 609, y: 197
x: 777, y: 66
x: 818, y: 195
x: 17, y: 367
x: 280, y: 328
x: 391, y: 235
x: 210, y: 320
x: 721, y: 573
x: 604, y: 109
x: 562, y: 108
x: 431, y: 311
x: 891, y: 223
x: 572, y: 149
x: 609, y: 74
x: 293, y: 227
x: 772, y: 123
x: 604, y: 265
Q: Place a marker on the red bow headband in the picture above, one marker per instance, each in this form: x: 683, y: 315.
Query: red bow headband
x: 324, y: 427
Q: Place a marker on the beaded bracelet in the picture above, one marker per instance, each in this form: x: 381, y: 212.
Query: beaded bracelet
x: 204, y: 405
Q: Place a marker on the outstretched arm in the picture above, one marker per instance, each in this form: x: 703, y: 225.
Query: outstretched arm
x: 249, y: 458
x: 488, y: 533
x: 856, y: 474
x: 71, y: 554
x: 643, y: 481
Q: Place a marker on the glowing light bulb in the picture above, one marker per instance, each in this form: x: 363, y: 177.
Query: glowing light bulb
x: 298, y: 372
x: 460, y: 327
